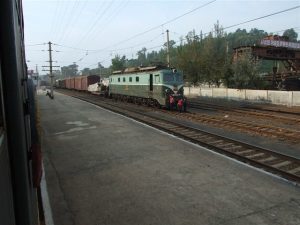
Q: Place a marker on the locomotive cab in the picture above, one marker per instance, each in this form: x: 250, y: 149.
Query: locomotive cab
x: 173, y: 82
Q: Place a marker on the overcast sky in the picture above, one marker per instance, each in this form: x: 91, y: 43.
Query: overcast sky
x: 87, y: 32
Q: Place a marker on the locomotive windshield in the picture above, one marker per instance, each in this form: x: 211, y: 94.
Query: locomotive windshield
x: 172, y: 77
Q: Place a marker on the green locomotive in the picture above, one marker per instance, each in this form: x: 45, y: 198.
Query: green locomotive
x: 153, y: 85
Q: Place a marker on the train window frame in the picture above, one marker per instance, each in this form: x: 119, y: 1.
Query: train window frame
x: 157, y: 78
x: 130, y: 79
x: 137, y: 79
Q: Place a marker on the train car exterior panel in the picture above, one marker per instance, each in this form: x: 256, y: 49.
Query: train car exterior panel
x: 72, y: 83
x: 18, y: 203
x: 140, y: 91
x: 77, y: 83
x: 68, y: 83
x: 88, y: 80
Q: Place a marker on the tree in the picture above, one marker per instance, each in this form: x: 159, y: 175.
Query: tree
x: 245, y: 74
x: 142, y: 60
x: 86, y: 71
x: 118, y: 63
x: 291, y: 34
x: 69, y: 71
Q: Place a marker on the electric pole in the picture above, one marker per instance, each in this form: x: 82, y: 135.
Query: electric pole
x: 37, y: 76
x: 168, y: 49
x: 50, y: 69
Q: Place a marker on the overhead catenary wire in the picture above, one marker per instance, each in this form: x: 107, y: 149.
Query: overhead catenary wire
x: 69, y: 21
x: 76, y: 19
x: 258, y: 18
x: 100, y: 16
x: 29, y: 45
x: 109, y: 19
x: 153, y: 28
x: 227, y: 27
x: 248, y: 21
x: 62, y: 14
x: 55, y: 14
x: 158, y: 26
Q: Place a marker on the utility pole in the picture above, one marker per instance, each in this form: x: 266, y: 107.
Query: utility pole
x: 168, y: 49
x: 50, y: 69
x: 37, y: 76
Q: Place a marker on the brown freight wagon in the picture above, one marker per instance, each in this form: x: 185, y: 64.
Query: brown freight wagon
x: 62, y: 83
x: 72, y: 83
x: 77, y: 83
x: 88, y: 80
x: 68, y: 83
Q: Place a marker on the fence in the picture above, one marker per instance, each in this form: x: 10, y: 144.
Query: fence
x: 289, y: 98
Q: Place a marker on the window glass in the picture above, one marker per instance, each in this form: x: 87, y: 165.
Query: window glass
x: 130, y: 79
x: 168, y: 77
x: 137, y: 79
x: 178, y: 77
x: 118, y: 79
x: 157, y: 78
x: 124, y: 79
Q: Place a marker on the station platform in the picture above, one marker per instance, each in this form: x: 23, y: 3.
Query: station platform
x: 103, y: 168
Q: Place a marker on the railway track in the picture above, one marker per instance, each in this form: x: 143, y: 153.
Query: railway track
x: 280, y: 133
x: 276, y: 163
x: 281, y: 116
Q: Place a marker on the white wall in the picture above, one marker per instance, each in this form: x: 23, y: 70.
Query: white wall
x: 289, y: 98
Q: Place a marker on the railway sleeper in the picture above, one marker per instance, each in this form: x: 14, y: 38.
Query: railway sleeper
x: 255, y: 155
x: 245, y: 151
x: 295, y: 170
x: 281, y: 164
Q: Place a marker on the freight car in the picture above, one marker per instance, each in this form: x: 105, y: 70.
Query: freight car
x: 80, y: 83
x: 154, y: 85
x: 60, y: 83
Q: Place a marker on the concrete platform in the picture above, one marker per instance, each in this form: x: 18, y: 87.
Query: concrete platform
x: 102, y: 168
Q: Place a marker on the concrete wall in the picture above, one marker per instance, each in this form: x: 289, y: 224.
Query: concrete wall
x: 256, y: 95
x: 296, y: 98
x: 289, y: 98
x: 236, y: 94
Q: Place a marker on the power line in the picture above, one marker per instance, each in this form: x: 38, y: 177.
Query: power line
x: 92, y: 51
x: 54, y: 17
x: 76, y: 18
x: 259, y: 18
x: 67, y: 24
x: 169, y: 21
x: 133, y: 46
x: 62, y: 15
x: 34, y: 44
x: 251, y: 20
x: 95, y: 22
x: 70, y: 47
x: 248, y: 21
x: 109, y: 19
x: 153, y: 28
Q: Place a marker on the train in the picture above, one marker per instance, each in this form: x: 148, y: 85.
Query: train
x: 158, y: 86
x: 20, y: 153
x: 153, y: 85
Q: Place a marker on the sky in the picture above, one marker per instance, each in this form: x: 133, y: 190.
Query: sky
x: 92, y: 31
